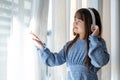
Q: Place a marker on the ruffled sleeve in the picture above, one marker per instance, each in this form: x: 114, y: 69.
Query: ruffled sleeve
x: 98, y: 52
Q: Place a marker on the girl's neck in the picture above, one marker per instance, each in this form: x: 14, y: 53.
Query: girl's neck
x: 82, y: 36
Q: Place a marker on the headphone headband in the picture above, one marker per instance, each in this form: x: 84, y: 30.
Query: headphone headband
x: 93, y: 17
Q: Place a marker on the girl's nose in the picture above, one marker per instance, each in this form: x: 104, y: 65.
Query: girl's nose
x: 74, y: 23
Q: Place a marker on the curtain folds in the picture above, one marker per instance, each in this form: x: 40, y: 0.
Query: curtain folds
x: 23, y: 62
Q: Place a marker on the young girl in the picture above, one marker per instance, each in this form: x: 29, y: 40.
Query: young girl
x: 86, y: 53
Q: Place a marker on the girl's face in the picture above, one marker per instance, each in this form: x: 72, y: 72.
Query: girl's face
x: 78, y: 26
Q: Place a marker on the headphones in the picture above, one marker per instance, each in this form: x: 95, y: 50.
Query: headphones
x: 93, y: 19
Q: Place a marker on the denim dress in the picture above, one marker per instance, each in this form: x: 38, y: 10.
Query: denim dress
x: 76, y: 56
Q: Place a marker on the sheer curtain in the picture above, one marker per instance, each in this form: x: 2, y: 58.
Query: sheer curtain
x: 23, y: 61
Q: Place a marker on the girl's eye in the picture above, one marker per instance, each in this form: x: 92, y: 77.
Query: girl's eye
x: 77, y: 22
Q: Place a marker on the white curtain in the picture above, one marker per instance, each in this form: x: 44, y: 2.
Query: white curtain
x: 23, y: 62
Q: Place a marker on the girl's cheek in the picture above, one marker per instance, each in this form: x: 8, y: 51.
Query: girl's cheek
x: 81, y: 28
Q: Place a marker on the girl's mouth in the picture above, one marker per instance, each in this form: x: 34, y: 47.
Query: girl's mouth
x: 75, y: 28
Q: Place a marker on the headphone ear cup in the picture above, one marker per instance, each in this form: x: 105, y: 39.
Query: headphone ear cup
x: 92, y: 28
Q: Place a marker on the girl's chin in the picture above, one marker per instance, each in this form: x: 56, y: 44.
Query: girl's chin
x: 76, y: 32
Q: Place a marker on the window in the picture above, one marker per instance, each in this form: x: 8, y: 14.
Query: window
x: 8, y: 9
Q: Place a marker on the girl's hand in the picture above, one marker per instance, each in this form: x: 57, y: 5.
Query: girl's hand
x: 37, y: 40
x: 95, y: 30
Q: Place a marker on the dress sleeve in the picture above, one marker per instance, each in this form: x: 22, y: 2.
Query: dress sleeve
x: 53, y: 58
x: 98, y: 52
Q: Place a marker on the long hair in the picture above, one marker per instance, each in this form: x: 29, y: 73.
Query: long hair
x: 85, y: 16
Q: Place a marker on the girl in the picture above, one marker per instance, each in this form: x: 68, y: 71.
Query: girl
x: 86, y: 53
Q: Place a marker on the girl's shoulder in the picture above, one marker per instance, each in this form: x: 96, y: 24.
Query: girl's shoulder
x: 67, y: 43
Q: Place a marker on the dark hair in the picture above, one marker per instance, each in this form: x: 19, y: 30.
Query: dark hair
x: 85, y: 16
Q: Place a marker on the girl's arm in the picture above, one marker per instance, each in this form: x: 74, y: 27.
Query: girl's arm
x: 53, y: 59
x: 48, y: 57
x: 98, y: 52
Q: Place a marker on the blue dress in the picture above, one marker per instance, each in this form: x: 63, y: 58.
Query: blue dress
x: 75, y: 59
